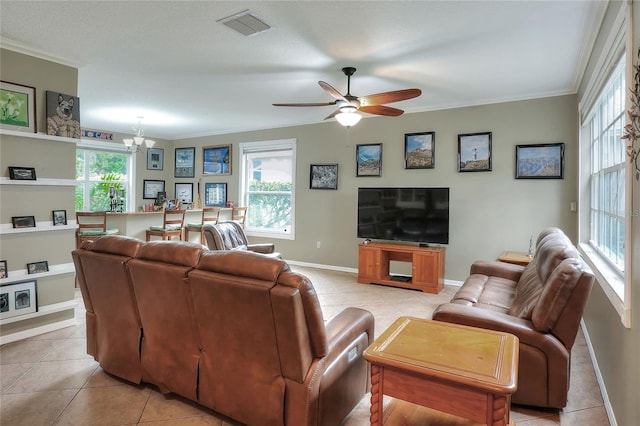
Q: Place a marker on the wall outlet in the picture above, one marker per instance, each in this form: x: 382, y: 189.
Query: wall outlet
x: 573, y: 206
x: 318, y: 244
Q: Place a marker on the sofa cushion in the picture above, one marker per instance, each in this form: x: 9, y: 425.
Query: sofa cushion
x: 527, y: 292
x: 493, y: 293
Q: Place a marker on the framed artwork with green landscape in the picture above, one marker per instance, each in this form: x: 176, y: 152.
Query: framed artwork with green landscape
x: 17, y: 107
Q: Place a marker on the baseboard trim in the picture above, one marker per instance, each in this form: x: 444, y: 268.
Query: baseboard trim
x: 32, y: 332
x: 603, y: 389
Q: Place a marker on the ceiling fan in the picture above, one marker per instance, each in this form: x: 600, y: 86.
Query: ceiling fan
x: 349, y: 104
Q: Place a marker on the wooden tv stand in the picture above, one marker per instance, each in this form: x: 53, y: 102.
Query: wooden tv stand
x: 427, y: 265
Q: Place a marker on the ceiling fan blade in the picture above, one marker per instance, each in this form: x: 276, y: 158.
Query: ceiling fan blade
x: 389, y: 97
x: 333, y: 114
x: 306, y: 105
x: 332, y: 91
x: 381, y: 110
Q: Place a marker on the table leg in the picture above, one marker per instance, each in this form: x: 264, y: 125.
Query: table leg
x: 376, y: 396
x: 499, y: 411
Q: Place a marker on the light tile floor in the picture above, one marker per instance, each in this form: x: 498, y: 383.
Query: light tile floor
x: 49, y: 379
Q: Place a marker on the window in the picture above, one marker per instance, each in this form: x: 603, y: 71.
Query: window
x: 97, y: 171
x: 607, y: 173
x: 267, y: 182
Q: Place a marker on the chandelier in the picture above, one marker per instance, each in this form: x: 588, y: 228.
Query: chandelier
x: 136, y: 144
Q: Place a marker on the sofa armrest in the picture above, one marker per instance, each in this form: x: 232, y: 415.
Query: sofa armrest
x: 345, y: 327
x: 498, y: 321
x: 264, y: 248
x: 497, y: 269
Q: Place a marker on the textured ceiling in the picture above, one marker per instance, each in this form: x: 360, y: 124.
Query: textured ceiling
x: 189, y: 75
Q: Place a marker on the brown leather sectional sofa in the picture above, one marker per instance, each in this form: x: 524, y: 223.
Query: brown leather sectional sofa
x: 235, y: 331
x: 542, y: 304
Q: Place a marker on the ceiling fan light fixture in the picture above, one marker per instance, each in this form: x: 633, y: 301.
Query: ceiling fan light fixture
x: 348, y: 118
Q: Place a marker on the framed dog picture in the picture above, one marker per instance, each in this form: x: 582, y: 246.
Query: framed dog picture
x: 17, y: 107
x: 63, y: 115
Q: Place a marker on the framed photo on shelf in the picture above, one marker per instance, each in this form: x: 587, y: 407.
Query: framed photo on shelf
x: 474, y: 152
x: 369, y: 159
x: 59, y: 217
x: 215, y: 194
x: 540, y: 161
x: 17, y: 107
x: 4, y: 270
x: 155, y: 159
x: 323, y: 176
x: 23, y: 221
x: 184, y: 192
x: 185, y: 162
x: 22, y: 173
x: 18, y: 299
x: 151, y: 188
x: 38, y: 267
x: 420, y: 150
x: 216, y: 160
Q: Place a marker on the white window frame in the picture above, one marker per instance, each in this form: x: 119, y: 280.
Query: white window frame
x: 247, y: 148
x: 615, y: 283
x: 122, y: 149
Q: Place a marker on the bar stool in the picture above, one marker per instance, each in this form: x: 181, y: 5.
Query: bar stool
x: 210, y: 215
x: 92, y: 225
x: 172, y: 223
x: 239, y: 214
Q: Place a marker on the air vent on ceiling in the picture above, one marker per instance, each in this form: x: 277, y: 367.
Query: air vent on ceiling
x: 245, y: 23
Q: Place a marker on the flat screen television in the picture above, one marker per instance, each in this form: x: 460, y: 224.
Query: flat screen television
x: 404, y: 214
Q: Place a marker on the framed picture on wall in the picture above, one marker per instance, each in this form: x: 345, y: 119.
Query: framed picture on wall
x: 369, y: 159
x: 4, y: 269
x: 215, y: 194
x: 324, y: 176
x: 216, y: 160
x: 184, y: 192
x: 185, y: 162
x: 540, y: 161
x: 420, y: 150
x: 63, y: 115
x: 155, y: 159
x: 151, y: 188
x: 474, y: 152
x: 17, y: 107
x: 18, y: 299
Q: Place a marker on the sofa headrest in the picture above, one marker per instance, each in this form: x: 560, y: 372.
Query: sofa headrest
x: 553, y: 249
x: 181, y: 253
x: 552, y: 230
x: 243, y: 264
x: 114, y: 244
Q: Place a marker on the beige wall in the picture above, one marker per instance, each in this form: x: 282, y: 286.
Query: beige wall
x: 490, y: 211
x: 53, y: 160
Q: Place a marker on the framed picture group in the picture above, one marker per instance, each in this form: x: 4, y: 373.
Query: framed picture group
x: 18, y: 299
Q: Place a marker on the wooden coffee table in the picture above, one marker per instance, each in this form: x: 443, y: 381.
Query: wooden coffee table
x: 464, y: 371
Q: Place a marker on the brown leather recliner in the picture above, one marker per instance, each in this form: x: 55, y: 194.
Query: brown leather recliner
x: 236, y: 331
x: 230, y: 236
x: 542, y: 304
x: 112, y: 314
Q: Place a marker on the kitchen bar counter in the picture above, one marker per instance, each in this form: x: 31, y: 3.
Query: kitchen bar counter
x: 134, y: 224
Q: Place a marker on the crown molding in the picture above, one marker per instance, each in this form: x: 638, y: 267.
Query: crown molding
x: 18, y: 47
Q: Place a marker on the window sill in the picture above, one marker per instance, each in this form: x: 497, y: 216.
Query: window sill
x: 610, y: 281
x: 267, y: 234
